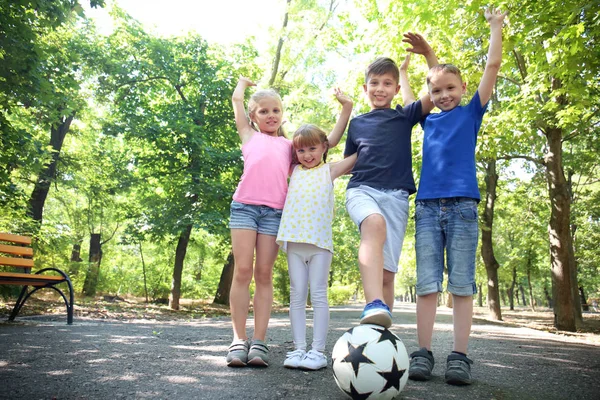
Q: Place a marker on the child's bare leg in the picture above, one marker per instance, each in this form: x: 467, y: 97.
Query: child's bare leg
x: 426, y: 310
x: 388, y: 288
x: 370, y: 256
x: 242, y: 243
x: 463, y: 318
x: 266, y: 253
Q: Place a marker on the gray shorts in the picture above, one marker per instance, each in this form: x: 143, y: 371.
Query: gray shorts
x: 262, y: 219
x: 392, y: 204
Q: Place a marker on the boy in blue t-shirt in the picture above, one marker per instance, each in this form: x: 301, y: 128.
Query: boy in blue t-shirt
x: 382, y: 180
x: 446, y: 204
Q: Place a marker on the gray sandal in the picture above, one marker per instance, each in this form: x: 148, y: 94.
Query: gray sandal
x: 258, y: 355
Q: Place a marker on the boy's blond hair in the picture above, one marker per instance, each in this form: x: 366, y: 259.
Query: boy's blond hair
x: 443, y: 68
x: 382, y: 65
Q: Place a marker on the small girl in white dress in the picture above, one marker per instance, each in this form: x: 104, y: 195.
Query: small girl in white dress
x: 305, y: 234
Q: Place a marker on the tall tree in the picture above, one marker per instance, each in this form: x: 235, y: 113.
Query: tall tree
x: 172, y: 105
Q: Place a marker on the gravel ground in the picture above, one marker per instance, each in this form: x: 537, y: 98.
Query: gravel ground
x: 43, y: 358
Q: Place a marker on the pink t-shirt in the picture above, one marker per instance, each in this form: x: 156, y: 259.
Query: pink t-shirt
x: 267, y: 161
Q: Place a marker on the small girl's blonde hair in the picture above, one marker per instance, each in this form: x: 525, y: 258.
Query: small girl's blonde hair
x: 310, y: 135
x: 253, y: 104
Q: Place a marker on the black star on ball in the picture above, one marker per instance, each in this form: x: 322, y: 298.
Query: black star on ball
x: 387, y: 335
x: 356, y: 395
x: 393, y: 377
x: 355, y: 356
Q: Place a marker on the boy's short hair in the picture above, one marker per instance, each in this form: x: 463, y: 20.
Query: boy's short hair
x: 382, y: 65
x: 443, y: 68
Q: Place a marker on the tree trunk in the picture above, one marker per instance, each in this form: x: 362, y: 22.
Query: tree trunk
x: 559, y: 232
x: 583, y: 299
x: 529, y: 286
x: 222, y: 295
x: 76, y: 252
x: 548, y: 297
x: 48, y: 172
x: 480, y: 295
x: 412, y: 294
x: 502, y: 294
x: 143, y: 270
x: 487, y: 247
x: 180, y: 251
x: 93, y: 273
x: 522, y: 292
x: 511, y: 290
x: 275, y: 66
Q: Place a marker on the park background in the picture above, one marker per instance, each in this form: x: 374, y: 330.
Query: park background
x: 119, y: 152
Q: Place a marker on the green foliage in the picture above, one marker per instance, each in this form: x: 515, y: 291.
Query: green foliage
x: 153, y: 148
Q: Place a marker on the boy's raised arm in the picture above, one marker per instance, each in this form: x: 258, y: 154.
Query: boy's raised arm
x: 495, y: 18
x: 420, y: 46
x: 237, y: 99
x: 408, y: 97
x: 342, y: 121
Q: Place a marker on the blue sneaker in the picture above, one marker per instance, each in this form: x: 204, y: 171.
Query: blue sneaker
x: 377, y: 313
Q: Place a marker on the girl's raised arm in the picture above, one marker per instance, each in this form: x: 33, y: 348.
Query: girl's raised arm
x: 241, y: 120
x: 342, y: 167
x: 342, y: 122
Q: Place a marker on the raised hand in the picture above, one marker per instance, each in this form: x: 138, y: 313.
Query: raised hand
x: 495, y: 16
x: 245, y: 81
x: 341, y: 96
x: 418, y: 43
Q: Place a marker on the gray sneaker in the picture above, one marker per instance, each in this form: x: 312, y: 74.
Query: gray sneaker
x: 421, y: 365
x: 258, y: 355
x: 237, y: 355
x: 458, y: 370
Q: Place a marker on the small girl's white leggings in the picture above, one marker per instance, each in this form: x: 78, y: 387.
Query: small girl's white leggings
x: 309, y: 265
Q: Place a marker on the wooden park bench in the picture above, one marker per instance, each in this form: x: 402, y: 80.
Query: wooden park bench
x: 16, y: 251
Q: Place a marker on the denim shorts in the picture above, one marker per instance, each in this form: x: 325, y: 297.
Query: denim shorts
x: 392, y: 204
x: 448, y: 224
x: 262, y: 219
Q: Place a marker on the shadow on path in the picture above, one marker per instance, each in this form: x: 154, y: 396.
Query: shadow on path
x: 43, y: 358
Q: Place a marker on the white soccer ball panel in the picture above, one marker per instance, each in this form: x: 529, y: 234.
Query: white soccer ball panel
x: 376, y: 360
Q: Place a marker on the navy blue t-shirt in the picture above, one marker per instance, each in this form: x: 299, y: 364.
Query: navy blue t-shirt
x: 382, y: 139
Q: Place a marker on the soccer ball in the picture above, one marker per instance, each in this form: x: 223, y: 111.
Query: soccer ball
x: 370, y: 362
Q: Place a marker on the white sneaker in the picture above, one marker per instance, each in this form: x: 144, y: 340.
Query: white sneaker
x: 293, y: 358
x: 313, y: 360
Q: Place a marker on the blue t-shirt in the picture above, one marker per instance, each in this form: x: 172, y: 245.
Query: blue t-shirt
x: 449, y: 141
x: 381, y: 139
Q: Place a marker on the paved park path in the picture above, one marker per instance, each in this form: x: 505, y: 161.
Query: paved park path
x: 43, y: 358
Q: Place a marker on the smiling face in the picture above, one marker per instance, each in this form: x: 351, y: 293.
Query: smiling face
x: 267, y: 114
x: 311, y: 156
x: 446, y: 90
x: 380, y: 90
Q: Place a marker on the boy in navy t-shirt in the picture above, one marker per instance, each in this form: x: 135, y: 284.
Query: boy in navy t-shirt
x: 446, y: 204
x: 382, y: 180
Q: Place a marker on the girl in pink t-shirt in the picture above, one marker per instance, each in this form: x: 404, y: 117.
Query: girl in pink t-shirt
x: 254, y: 220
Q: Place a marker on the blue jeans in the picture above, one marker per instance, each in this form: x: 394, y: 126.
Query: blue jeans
x: 262, y: 219
x: 449, y: 225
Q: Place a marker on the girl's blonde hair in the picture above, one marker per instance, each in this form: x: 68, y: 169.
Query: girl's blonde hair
x: 310, y: 135
x: 253, y: 104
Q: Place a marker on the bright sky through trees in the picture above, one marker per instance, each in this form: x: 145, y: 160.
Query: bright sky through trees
x: 221, y: 21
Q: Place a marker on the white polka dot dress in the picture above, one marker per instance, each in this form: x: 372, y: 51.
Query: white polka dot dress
x: 308, y: 211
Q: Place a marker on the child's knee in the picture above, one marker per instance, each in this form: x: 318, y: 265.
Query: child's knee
x: 373, y: 226
x: 388, y: 278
